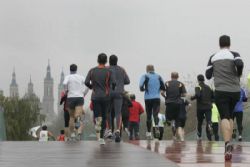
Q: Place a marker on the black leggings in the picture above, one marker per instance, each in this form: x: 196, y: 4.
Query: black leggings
x: 66, y: 119
x: 152, y: 107
x: 201, y: 114
x: 239, y: 118
x: 100, y: 108
x: 216, y: 131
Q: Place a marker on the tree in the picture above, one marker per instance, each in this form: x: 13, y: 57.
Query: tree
x: 20, y: 115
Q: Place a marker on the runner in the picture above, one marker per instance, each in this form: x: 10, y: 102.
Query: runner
x: 61, y: 137
x: 181, y: 121
x: 226, y: 67
x: 126, y: 103
x: 99, y: 79
x: 45, y: 134
x: 116, y: 95
x: 134, y: 118
x: 238, y: 112
x: 74, y: 85
x: 152, y: 84
x: 215, y: 122
x: 175, y: 90
x: 66, y: 114
x: 204, y: 96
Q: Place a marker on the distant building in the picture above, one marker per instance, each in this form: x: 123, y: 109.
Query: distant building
x: 30, y: 92
x: 14, y: 86
x: 48, y: 97
x: 60, y: 90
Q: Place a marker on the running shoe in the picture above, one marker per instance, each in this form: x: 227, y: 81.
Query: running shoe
x: 234, y: 134
x: 117, y: 136
x: 240, y: 138
x: 148, y: 135
x: 228, y: 151
x: 78, y: 122
x: 210, y: 129
x: 108, y: 134
x: 101, y: 141
x: 157, y: 133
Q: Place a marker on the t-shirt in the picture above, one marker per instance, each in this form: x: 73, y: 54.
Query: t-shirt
x: 100, y: 80
x: 121, y: 78
x: 61, y: 138
x: 174, y: 91
x: 44, y: 136
x: 75, y: 85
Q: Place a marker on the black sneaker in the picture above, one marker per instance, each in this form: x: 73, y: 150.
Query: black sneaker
x: 117, y: 136
x: 157, y: 133
x: 210, y: 129
x: 234, y: 134
x: 240, y: 138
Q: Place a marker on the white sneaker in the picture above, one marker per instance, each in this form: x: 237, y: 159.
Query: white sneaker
x: 101, y: 141
x: 149, y: 135
x: 108, y: 133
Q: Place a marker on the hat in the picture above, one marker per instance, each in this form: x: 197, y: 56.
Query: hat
x: 201, y: 78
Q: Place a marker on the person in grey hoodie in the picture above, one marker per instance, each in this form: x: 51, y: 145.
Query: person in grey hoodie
x: 116, y: 96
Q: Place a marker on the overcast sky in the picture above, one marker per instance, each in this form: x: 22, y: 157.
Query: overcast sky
x: 177, y: 35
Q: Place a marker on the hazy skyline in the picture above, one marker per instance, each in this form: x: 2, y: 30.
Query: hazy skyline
x: 172, y: 35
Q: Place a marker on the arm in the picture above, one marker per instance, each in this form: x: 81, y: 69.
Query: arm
x: 126, y: 78
x: 209, y: 70
x: 183, y: 90
x: 112, y: 80
x: 88, y: 80
x: 162, y: 85
x: 65, y: 83
x: 141, y: 84
x: 197, y: 93
x: 238, y: 63
x: 141, y: 108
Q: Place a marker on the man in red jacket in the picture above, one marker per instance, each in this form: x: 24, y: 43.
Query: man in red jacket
x: 134, y: 118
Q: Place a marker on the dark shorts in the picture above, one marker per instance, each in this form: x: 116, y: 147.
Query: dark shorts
x: 66, y: 119
x: 73, y: 102
x: 172, y: 111
x: 225, y: 102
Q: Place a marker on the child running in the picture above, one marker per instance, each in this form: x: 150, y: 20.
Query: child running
x: 45, y: 134
x: 61, y: 137
x: 134, y: 118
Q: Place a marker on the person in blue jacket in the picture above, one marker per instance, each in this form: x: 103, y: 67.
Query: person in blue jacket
x: 152, y: 84
x: 238, y: 113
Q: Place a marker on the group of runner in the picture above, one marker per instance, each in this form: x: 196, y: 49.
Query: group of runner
x: 108, y: 99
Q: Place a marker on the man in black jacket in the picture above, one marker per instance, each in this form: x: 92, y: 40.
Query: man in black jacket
x: 204, y: 96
